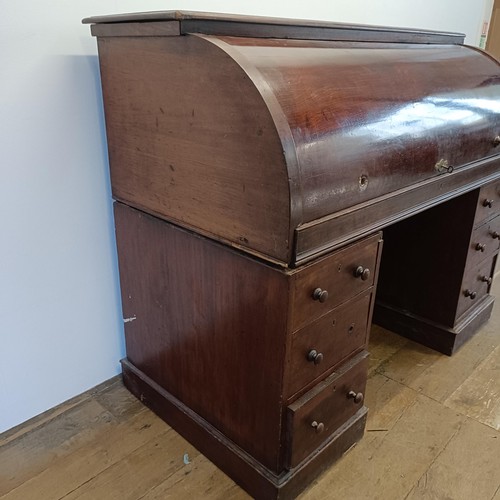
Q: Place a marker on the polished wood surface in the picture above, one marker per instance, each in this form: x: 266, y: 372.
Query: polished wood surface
x: 276, y: 189
x: 105, y: 444
x: 258, y: 481
x: 210, y: 347
x: 388, y: 106
x: 169, y: 28
x: 450, y: 267
x: 335, y: 230
x: 320, y: 412
x: 208, y: 325
x: 488, y: 202
x: 254, y: 162
x: 334, y: 274
x: 335, y: 336
x: 255, y: 26
x: 185, y: 146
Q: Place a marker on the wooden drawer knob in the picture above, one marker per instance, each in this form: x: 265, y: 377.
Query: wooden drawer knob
x: 314, y: 356
x: 495, y: 235
x: 319, y: 426
x: 487, y: 279
x: 487, y: 203
x: 321, y: 295
x: 357, y: 397
x: 496, y: 141
x: 470, y: 293
x: 480, y: 247
x: 362, y: 272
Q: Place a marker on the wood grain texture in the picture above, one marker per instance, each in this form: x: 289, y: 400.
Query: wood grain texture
x: 386, y: 105
x: 474, y: 288
x: 206, y: 324
x: 467, y: 468
x: 403, y: 422
x: 479, y: 395
x: 485, y: 211
x: 94, y: 450
x: 429, y: 252
x: 483, y: 244
x: 234, y: 24
x: 285, y: 149
x: 249, y: 474
x: 327, y: 404
x: 184, y: 145
x: 333, y: 231
x: 336, y: 275
x: 168, y: 28
x: 446, y: 340
x: 268, y: 163
x: 450, y: 275
x: 336, y: 336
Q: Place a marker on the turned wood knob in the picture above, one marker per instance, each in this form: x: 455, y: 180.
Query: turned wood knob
x: 487, y: 279
x: 470, y: 293
x: 487, y: 203
x: 314, y: 356
x: 362, y: 272
x: 319, y: 426
x: 357, y: 397
x: 480, y: 247
x: 496, y: 141
x: 321, y: 295
x: 495, y: 235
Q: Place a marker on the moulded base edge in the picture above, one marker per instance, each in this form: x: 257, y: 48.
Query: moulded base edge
x: 441, y: 338
x: 257, y: 480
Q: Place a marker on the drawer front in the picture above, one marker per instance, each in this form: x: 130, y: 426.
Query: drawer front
x: 475, y: 286
x: 322, y: 410
x: 485, y: 241
x: 328, y: 341
x: 488, y: 203
x: 321, y: 286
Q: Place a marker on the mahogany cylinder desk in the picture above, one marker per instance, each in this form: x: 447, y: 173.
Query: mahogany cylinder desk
x: 257, y: 165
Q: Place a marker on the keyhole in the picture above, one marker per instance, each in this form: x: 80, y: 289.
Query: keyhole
x: 363, y: 182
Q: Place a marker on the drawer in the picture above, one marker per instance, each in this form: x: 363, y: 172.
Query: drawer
x: 484, y: 242
x: 321, y: 411
x: 475, y: 285
x: 327, y: 341
x: 488, y: 203
x: 321, y: 286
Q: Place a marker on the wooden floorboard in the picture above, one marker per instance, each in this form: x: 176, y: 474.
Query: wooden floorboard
x: 433, y: 432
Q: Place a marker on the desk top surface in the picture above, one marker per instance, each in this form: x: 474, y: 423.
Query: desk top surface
x: 260, y: 26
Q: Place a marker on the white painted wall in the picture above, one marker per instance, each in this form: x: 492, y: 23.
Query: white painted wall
x: 60, y: 320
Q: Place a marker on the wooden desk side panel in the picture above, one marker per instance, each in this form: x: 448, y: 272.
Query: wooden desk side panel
x: 208, y: 325
x: 191, y: 140
x: 424, y: 258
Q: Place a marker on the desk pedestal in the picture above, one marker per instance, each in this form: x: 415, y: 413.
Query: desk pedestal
x: 437, y: 269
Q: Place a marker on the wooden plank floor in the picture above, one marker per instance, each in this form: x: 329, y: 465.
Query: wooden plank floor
x: 433, y: 433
